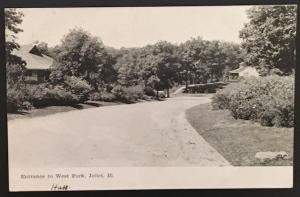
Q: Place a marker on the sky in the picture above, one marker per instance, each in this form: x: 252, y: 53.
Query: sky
x: 134, y: 26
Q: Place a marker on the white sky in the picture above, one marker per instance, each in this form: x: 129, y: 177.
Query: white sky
x: 134, y: 27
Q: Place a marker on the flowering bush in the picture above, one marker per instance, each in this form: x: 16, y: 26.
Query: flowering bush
x: 268, y: 100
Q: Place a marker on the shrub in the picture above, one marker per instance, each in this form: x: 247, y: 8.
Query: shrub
x: 149, y: 91
x: 107, y: 96
x: 13, y: 100
x: 268, y: 100
x: 78, y: 86
x: 102, y: 96
x: 44, y: 95
x: 17, y: 98
x: 222, y: 98
x: 128, y: 94
x: 27, y: 105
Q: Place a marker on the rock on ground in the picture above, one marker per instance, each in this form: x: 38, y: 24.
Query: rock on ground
x: 269, y: 156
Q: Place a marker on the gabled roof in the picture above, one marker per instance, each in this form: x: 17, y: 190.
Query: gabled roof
x: 33, y: 57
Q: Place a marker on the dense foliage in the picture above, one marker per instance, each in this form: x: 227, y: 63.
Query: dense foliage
x: 268, y: 100
x: 83, y: 56
x: 85, y: 69
x: 128, y: 94
x: 208, y: 61
x: 46, y: 95
x: 269, y: 39
x: 163, y: 64
x: 45, y: 49
x: 15, y: 66
x: 17, y: 98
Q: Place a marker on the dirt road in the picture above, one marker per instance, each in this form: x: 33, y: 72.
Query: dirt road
x: 142, y: 134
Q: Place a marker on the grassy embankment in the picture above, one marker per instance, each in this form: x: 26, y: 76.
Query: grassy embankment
x: 239, y: 140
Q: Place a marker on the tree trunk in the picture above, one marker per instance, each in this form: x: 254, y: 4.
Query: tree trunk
x: 157, y: 97
x: 168, y: 93
x: 186, y: 81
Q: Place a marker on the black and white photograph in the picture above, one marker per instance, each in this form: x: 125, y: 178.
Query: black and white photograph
x: 180, y: 97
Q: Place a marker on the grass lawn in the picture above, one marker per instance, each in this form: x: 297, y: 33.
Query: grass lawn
x: 57, y: 109
x: 239, y: 140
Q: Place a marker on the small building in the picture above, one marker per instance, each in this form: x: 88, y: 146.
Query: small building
x: 37, y: 64
x: 243, y: 71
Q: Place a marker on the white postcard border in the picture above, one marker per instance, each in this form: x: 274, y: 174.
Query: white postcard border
x: 136, y: 178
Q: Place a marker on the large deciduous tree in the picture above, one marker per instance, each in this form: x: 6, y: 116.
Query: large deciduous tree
x: 269, y: 38
x: 83, y: 56
x: 15, y: 66
x: 154, y: 66
x: 166, y: 64
x: 129, y: 65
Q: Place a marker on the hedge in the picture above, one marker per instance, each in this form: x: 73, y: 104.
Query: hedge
x: 47, y: 95
x: 128, y: 94
x: 268, y: 100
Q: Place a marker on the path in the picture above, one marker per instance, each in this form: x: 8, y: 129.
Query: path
x: 142, y: 134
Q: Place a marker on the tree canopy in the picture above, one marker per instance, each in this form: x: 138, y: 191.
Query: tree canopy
x: 83, y: 56
x: 162, y: 64
x: 203, y: 61
x: 15, y: 66
x: 269, y: 38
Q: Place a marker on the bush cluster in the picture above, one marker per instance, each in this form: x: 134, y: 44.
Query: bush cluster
x: 78, y: 87
x: 71, y: 91
x: 149, y: 91
x: 119, y: 93
x: 128, y: 94
x: 16, y: 99
x: 31, y: 96
x: 102, y: 96
x: 46, y: 95
x: 76, y: 91
x: 268, y: 100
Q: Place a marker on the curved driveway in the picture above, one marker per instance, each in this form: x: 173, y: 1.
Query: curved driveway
x: 142, y: 134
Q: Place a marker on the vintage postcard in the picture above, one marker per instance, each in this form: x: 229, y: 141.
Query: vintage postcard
x: 114, y: 98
